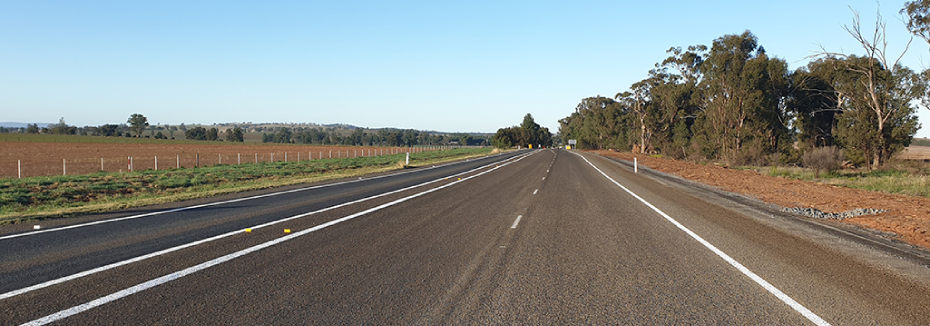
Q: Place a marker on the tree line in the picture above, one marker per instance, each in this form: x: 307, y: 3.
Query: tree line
x: 527, y: 133
x: 138, y: 126
x: 368, y: 137
x: 733, y: 102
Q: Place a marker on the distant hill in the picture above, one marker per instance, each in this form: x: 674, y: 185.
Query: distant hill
x: 920, y: 142
x: 22, y: 125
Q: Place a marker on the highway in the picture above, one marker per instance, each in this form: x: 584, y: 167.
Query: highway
x: 541, y: 237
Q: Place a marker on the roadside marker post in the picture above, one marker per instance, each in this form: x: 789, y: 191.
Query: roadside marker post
x: 408, y: 159
x: 19, y: 167
x: 156, y: 163
x: 635, y: 166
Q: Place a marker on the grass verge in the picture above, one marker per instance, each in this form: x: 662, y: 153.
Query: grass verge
x: 38, y: 198
x: 890, y: 181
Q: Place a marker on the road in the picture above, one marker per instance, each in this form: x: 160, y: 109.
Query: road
x: 533, y: 237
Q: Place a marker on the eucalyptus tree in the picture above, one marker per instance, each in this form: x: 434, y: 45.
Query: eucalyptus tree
x: 743, y: 94
x: 878, y: 117
x: 815, y: 102
x: 137, y: 123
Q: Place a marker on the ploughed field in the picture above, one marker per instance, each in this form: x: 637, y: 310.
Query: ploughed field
x: 28, y: 159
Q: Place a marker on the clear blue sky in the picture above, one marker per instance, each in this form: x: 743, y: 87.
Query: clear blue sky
x: 459, y: 66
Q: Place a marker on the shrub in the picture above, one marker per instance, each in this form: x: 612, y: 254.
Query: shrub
x: 823, y: 159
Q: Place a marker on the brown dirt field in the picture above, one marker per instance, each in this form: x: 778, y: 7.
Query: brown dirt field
x: 908, y: 217
x: 914, y: 153
x: 42, y: 159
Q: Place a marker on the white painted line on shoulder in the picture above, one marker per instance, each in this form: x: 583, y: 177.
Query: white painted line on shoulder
x: 516, y: 222
x: 176, y: 275
x: 810, y: 315
x: 217, y: 237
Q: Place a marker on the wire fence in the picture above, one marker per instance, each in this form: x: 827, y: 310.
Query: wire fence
x: 49, y: 166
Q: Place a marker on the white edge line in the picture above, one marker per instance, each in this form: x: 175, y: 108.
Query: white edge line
x: 516, y: 222
x: 75, y: 276
x: 190, y: 270
x: 11, y: 236
x: 810, y: 315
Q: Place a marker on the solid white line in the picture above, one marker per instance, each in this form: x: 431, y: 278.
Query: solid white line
x: 217, y: 237
x: 755, y: 278
x: 176, y: 275
x: 516, y: 222
x: 210, y: 204
x: 535, y: 191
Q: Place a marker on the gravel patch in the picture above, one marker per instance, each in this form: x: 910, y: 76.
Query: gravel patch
x: 816, y: 213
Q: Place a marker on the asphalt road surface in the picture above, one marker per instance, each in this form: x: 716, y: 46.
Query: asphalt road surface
x: 534, y: 237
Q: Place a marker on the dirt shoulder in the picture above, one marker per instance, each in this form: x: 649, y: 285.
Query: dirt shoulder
x: 906, y: 216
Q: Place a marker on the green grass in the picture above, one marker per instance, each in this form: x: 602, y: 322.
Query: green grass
x: 56, y: 196
x: 890, y: 181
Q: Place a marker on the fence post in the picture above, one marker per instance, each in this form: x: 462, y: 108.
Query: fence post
x: 272, y: 157
x: 220, y: 160
x: 239, y: 155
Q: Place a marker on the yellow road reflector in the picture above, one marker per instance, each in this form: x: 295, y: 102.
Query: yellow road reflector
x: 287, y: 230
x: 460, y: 178
x: 248, y: 230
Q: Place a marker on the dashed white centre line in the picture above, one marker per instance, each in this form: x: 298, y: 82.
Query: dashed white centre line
x: 516, y: 222
x: 535, y: 191
x: 176, y: 275
x: 544, y: 178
